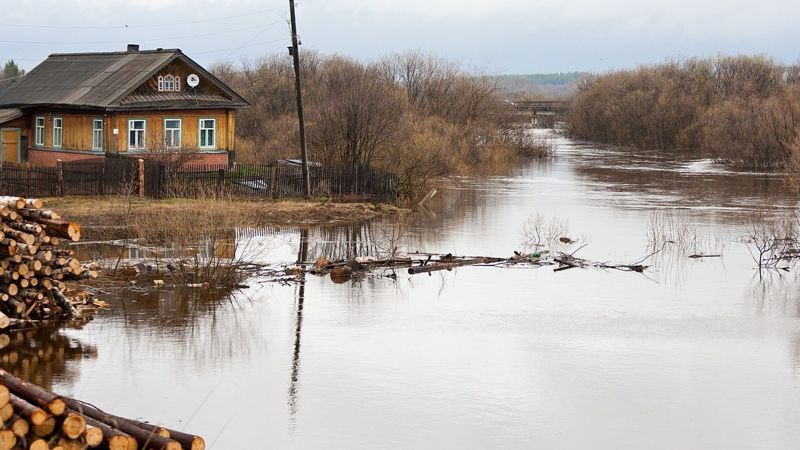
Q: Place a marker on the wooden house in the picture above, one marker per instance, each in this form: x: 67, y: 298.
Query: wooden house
x: 145, y: 103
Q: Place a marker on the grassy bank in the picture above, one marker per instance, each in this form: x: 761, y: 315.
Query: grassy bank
x: 119, y: 212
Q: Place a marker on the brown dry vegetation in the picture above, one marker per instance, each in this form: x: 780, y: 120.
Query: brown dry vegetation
x: 101, y: 215
x: 744, y: 110
x: 417, y: 116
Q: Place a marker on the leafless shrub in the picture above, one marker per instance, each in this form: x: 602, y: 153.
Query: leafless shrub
x: 539, y: 231
x: 743, y: 109
x: 417, y: 116
x: 771, y: 240
x: 669, y: 231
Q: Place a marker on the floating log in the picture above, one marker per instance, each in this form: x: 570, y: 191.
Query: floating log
x: 450, y: 264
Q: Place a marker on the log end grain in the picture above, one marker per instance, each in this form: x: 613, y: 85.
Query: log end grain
x: 93, y: 436
x: 4, y: 394
x: 74, y: 425
x: 57, y: 406
x: 20, y: 427
x: 7, y: 439
x: 198, y: 443
x: 39, y: 444
x: 46, y: 428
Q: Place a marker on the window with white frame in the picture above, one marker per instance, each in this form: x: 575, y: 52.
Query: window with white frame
x: 172, y: 133
x: 58, y: 132
x: 137, y: 131
x: 208, y: 135
x: 97, y: 134
x: 39, y: 135
x: 169, y: 83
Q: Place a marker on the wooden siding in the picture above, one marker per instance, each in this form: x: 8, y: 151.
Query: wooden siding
x: 182, y: 70
x: 77, y: 128
x: 190, y: 128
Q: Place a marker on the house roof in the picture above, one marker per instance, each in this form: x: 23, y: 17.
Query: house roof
x: 103, y: 80
x: 9, y: 114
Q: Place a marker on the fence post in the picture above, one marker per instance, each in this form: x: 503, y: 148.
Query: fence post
x: 100, y: 171
x: 28, y: 184
x: 60, y: 165
x: 220, y: 180
x: 275, y: 181
x: 141, y: 178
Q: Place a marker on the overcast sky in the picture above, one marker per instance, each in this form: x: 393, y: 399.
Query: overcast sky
x: 491, y: 36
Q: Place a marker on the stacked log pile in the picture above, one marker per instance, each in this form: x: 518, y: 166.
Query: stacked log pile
x: 34, y: 264
x: 34, y: 418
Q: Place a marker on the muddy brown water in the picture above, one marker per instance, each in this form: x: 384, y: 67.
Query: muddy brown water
x: 690, y: 354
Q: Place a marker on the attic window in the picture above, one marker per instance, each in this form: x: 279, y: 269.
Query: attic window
x: 169, y: 83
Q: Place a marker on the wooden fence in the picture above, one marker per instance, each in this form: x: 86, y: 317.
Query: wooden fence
x: 156, y: 179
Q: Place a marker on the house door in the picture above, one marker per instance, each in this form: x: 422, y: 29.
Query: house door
x: 9, y: 142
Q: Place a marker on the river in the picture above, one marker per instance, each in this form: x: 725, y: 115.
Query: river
x: 692, y: 353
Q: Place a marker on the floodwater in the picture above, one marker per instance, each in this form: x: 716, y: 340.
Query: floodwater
x: 690, y: 354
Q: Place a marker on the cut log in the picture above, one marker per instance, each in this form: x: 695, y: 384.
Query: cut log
x: 33, y: 394
x: 46, y: 428
x: 12, y: 202
x: 187, y: 440
x: 19, y: 426
x: 39, y: 444
x: 74, y: 425
x: 34, y: 414
x: 5, y: 321
x: 5, y: 395
x: 147, y: 439
x: 38, y: 214
x: 6, y: 412
x: 113, y: 438
x: 63, y: 228
x: 93, y: 436
x: 71, y: 444
x: 7, y: 439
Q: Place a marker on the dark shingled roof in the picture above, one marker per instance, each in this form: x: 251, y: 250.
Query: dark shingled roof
x: 101, y: 80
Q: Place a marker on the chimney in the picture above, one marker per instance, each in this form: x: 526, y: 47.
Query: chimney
x: 133, y: 48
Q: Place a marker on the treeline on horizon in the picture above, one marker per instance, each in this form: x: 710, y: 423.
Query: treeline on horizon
x: 744, y: 110
x: 416, y: 116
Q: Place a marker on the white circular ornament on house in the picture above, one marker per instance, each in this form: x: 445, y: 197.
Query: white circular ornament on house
x: 192, y: 80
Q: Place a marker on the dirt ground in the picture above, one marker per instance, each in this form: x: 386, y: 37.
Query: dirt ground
x: 111, y: 211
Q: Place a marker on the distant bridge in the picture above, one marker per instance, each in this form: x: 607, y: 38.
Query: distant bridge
x: 541, y: 112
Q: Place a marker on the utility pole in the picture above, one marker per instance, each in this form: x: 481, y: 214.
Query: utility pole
x: 295, y: 51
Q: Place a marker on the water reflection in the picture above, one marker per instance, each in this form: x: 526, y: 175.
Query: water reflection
x: 206, y: 326
x: 45, y: 356
x: 300, y: 290
x: 697, y: 353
